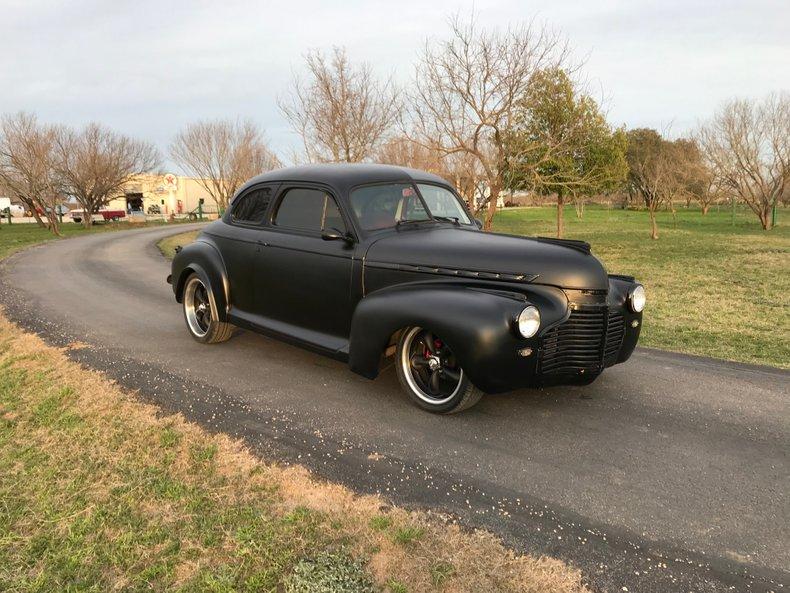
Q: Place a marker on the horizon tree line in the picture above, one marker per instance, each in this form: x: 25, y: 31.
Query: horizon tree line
x: 490, y: 110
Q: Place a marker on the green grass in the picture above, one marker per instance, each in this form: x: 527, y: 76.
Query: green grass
x: 89, y: 505
x: 407, y: 535
x: 168, y: 245
x: 380, y: 523
x: 19, y: 235
x: 713, y: 289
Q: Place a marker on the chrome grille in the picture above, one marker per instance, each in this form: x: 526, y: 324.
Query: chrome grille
x: 576, y: 345
x: 615, y: 330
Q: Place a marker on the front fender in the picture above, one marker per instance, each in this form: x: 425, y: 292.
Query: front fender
x: 619, y: 289
x: 476, y: 322
x: 202, y: 258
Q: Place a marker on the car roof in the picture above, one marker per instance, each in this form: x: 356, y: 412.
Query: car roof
x: 344, y: 176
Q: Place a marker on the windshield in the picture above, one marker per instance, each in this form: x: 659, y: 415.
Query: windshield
x: 442, y: 202
x: 386, y: 205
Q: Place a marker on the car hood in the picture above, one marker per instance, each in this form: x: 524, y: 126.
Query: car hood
x: 470, y: 253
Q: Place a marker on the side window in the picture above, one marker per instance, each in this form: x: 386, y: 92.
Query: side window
x: 251, y: 207
x: 309, y: 210
x: 332, y: 217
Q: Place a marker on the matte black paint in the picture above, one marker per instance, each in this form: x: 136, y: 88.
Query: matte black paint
x: 346, y: 299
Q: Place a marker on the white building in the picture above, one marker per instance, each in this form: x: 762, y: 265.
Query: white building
x: 170, y: 194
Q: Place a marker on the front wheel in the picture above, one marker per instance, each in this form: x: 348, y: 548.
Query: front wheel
x: 201, y: 315
x: 428, y: 371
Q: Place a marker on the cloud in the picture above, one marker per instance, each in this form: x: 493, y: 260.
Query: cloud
x: 147, y: 67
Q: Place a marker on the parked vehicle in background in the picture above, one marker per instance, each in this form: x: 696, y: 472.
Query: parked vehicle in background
x: 7, y: 207
x: 100, y: 216
x: 360, y: 262
x: 60, y: 209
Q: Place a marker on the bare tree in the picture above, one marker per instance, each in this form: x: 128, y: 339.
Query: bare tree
x: 405, y: 152
x: 27, y: 166
x: 342, y: 112
x: 461, y: 169
x: 222, y: 155
x: 697, y: 178
x: 466, y: 88
x: 748, y: 144
x: 94, y: 164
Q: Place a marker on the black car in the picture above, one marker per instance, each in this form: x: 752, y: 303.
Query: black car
x: 364, y: 262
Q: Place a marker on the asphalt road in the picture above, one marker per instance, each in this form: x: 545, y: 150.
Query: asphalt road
x: 669, y: 473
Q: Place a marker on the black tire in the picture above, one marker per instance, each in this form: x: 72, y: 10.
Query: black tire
x: 200, y: 313
x: 428, y: 372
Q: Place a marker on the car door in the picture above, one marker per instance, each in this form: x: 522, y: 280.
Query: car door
x: 303, y: 281
x: 240, y: 241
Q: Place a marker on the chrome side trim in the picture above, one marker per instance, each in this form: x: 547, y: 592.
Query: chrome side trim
x: 458, y: 273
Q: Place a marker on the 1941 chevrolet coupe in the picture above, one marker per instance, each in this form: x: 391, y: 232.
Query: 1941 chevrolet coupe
x: 364, y: 262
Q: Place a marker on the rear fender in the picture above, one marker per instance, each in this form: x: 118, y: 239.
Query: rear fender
x: 203, y: 258
x: 476, y: 322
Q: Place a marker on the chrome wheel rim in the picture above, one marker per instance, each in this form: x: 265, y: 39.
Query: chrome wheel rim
x: 197, y: 306
x: 429, y: 367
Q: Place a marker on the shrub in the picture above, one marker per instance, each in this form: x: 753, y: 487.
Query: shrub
x: 329, y: 573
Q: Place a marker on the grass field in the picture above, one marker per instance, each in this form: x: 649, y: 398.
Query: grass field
x: 17, y: 236
x: 99, y: 492
x: 168, y: 245
x: 714, y: 289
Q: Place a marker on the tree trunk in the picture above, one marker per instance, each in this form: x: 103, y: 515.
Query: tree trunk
x: 560, y: 218
x: 765, y: 219
x: 705, y: 208
x: 579, y: 205
x: 40, y: 222
x: 53, y: 223
x: 491, y: 212
x: 653, y: 225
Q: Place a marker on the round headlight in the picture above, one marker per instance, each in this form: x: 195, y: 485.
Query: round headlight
x: 637, y: 299
x: 528, y: 321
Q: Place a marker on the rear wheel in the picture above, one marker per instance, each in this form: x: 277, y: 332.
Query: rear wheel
x: 201, y: 315
x: 428, y: 370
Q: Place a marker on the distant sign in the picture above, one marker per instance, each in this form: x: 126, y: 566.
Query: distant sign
x: 170, y: 182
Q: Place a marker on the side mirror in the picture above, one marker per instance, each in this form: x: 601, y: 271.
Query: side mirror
x: 337, y: 235
x: 478, y: 223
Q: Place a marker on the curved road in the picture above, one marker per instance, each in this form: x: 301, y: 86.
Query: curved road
x: 670, y: 473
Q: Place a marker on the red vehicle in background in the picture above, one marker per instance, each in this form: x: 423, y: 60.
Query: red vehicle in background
x: 102, y: 215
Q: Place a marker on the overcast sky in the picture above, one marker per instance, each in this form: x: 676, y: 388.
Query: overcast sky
x: 147, y: 67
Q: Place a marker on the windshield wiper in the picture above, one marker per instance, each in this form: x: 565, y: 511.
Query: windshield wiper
x: 453, y: 219
x: 403, y: 221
